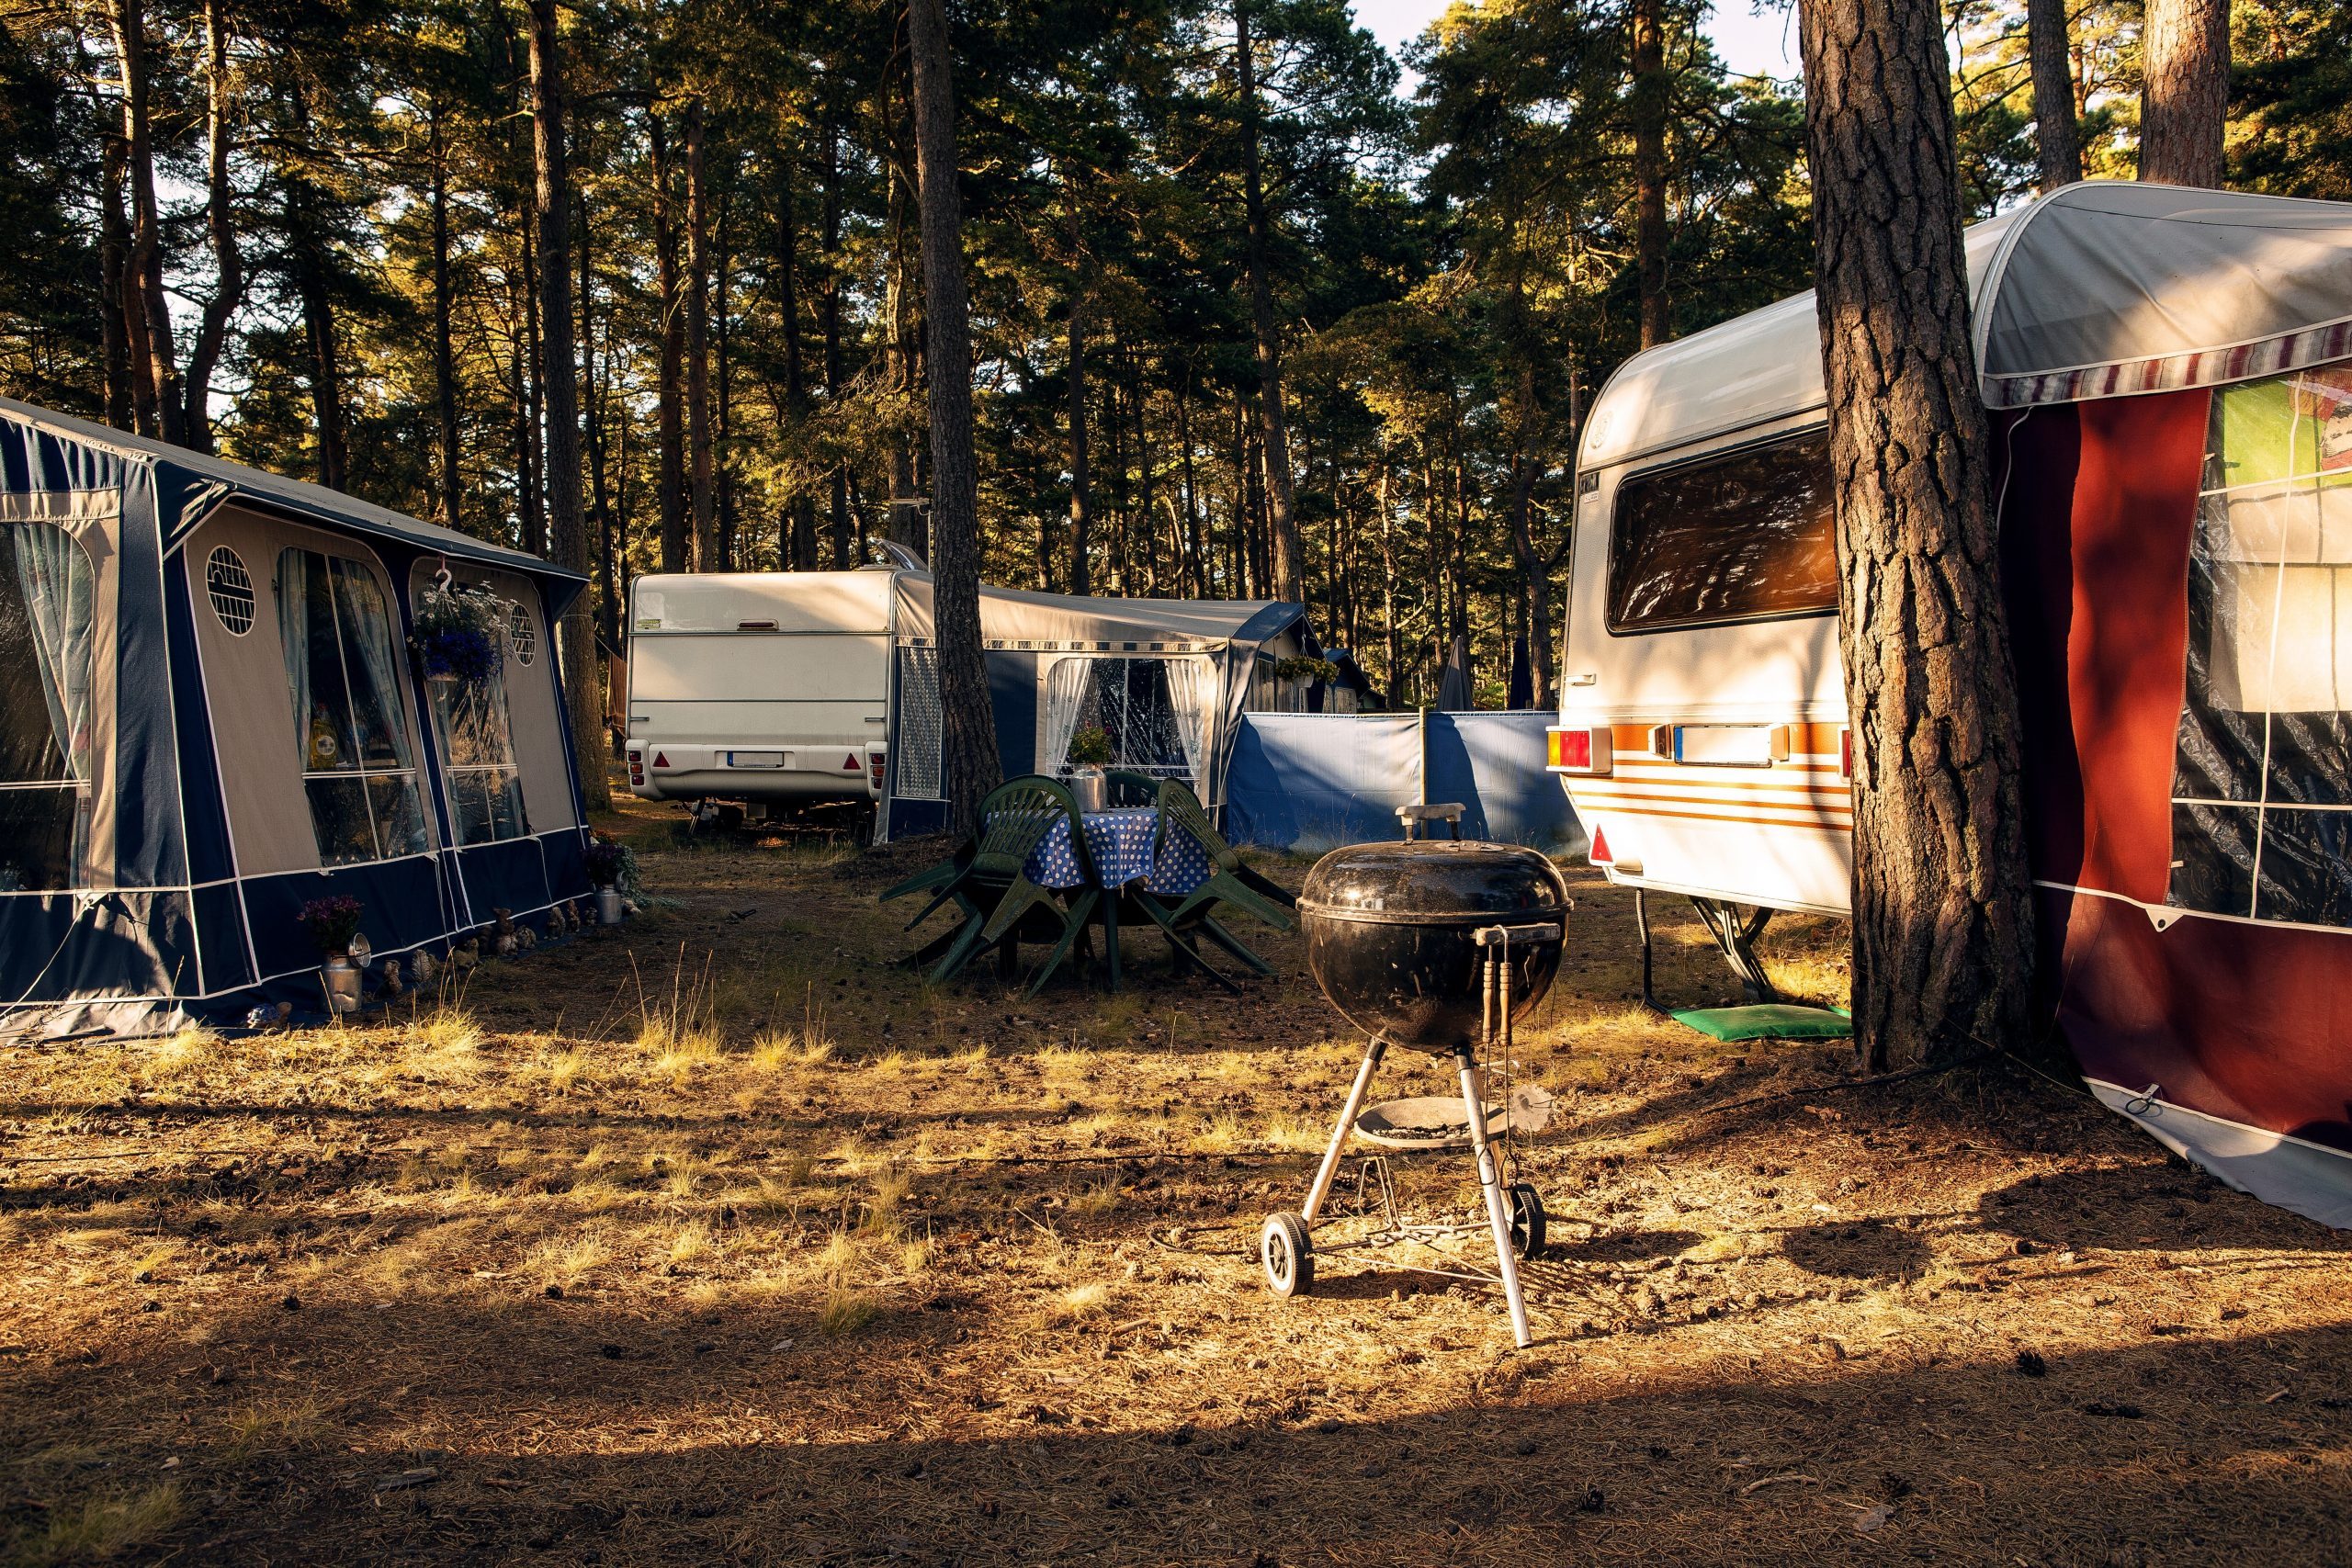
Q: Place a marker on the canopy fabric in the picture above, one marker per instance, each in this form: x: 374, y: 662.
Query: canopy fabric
x: 1012, y: 618
x: 208, y: 482
x: 2106, y: 288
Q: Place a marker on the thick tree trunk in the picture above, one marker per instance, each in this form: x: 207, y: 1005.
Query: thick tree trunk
x: 676, y: 546
x: 1943, y: 938
x: 2057, y: 138
x: 969, y: 741
x: 1081, y: 503
x: 559, y: 377
x: 1648, y: 107
x: 1289, y: 555
x: 906, y: 527
x: 697, y: 283
x: 530, y: 452
x: 144, y: 269
x: 445, y: 357
x: 2185, y: 91
x: 801, y: 556
x: 228, y: 272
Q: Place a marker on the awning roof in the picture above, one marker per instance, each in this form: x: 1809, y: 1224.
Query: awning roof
x: 234, y: 481
x: 2102, y: 289
x: 1012, y: 616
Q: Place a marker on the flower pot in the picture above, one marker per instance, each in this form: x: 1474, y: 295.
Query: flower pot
x: 608, y: 907
x: 342, y: 978
x: 1093, y: 791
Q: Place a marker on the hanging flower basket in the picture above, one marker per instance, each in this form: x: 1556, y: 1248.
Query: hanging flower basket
x: 456, y: 637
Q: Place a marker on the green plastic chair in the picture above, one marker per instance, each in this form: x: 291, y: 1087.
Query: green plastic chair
x: 1229, y: 881
x: 1002, y: 904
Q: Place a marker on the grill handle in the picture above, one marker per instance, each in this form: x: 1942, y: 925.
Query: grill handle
x: 1547, y: 930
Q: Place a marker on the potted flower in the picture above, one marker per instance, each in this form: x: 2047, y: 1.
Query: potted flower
x: 610, y: 863
x: 333, y: 923
x: 454, y: 638
x: 1090, y: 753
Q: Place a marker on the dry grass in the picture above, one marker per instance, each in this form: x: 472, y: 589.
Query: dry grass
x: 678, y: 1243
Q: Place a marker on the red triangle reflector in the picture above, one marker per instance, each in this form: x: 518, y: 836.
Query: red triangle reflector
x: 1599, y: 854
x: 660, y: 759
x: 852, y: 764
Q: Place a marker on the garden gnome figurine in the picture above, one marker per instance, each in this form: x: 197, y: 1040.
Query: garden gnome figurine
x: 389, y: 972
x: 502, y: 940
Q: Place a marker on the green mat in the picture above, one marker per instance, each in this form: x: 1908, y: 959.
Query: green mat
x: 1775, y: 1021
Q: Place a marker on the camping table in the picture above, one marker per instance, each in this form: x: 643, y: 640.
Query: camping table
x: 1126, y: 849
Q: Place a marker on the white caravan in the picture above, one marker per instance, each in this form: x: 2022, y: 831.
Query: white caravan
x: 784, y: 690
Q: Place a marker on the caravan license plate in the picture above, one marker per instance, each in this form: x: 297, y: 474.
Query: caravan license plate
x: 1727, y: 745
x: 755, y: 759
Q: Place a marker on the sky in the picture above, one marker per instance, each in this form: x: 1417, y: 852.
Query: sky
x: 1748, y: 42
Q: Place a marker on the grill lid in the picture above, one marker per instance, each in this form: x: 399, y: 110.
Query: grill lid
x: 1434, y: 883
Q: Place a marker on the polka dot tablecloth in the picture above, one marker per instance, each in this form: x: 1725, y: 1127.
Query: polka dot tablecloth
x: 1120, y: 844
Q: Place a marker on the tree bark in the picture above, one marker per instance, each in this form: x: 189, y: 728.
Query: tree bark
x: 444, y: 358
x: 969, y: 741
x: 906, y: 527
x: 558, y: 379
x: 801, y: 523
x: 676, y: 546
x: 2185, y: 91
x: 698, y: 446
x: 843, y: 559
x: 722, y: 392
x: 530, y: 452
x: 2057, y: 138
x: 308, y: 257
x: 1648, y: 107
x: 228, y: 272
x: 1289, y: 555
x: 114, y: 268
x: 1943, y: 938
x: 144, y: 267
x: 1081, y: 503
x: 592, y: 420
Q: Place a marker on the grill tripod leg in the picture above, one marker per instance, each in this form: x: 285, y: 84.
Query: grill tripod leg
x: 1490, y: 1183
x: 1331, y: 1167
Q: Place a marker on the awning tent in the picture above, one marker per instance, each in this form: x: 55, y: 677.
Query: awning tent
x: 209, y: 717
x: 1187, y: 666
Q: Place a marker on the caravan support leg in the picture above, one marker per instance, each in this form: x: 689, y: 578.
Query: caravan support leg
x: 1734, y: 937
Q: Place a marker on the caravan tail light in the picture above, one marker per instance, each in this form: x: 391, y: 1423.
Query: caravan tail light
x: 1846, y: 753
x: 1579, y: 750
x: 636, y: 767
x: 874, y: 769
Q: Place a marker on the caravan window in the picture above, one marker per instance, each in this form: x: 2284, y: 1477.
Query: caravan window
x: 1747, y: 537
x: 45, y: 751
x: 2262, y: 776
x: 1156, y: 712
x: 344, y: 675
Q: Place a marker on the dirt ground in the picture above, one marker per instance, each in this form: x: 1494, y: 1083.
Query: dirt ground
x: 722, y: 1238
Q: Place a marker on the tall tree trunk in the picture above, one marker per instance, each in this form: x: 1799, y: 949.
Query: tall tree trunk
x: 697, y: 282
x: 1195, y: 561
x: 1943, y: 938
x: 228, y: 272
x: 969, y: 741
x: 1289, y: 557
x: 802, y: 554
x: 906, y: 525
x: 114, y: 268
x: 568, y: 524
x: 529, y: 407
x: 677, y: 553
x: 308, y: 257
x: 445, y: 357
x: 831, y: 306
x: 593, y: 417
x: 2057, y: 138
x: 146, y: 264
x: 2185, y: 91
x: 1648, y: 107
x: 1081, y: 503
x: 723, y: 393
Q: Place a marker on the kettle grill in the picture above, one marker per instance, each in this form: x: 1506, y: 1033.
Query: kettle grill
x: 1440, y: 947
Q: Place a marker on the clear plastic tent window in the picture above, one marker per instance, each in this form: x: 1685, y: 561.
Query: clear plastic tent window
x: 2262, y: 787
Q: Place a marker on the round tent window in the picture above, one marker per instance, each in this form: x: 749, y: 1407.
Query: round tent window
x: 231, y: 589
x: 521, y: 633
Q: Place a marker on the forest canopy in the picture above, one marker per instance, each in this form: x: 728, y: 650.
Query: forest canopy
x: 323, y: 210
